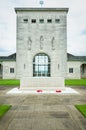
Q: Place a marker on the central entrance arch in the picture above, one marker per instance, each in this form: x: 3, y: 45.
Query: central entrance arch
x: 41, y: 65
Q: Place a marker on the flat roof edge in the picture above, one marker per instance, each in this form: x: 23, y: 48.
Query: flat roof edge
x: 41, y: 9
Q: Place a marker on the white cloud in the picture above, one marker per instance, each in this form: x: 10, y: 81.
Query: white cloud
x: 78, y: 46
x: 76, y: 23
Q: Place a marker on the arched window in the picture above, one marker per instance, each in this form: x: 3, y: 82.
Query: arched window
x: 41, y: 65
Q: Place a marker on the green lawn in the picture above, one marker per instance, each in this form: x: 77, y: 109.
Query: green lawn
x: 82, y: 109
x: 75, y: 82
x: 4, y: 109
x: 68, y: 82
x: 9, y: 82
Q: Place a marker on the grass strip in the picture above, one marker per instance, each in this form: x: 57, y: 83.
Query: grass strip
x: 68, y: 82
x: 9, y: 82
x: 75, y: 82
x: 82, y: 109
x: 4, y: 109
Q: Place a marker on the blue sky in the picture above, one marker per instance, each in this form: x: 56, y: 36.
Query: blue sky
x: 76, y: 23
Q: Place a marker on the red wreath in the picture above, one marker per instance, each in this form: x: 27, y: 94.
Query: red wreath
x: 39, y: 91
x: 58, y: 90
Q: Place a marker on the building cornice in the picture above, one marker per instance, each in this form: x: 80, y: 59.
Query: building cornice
x: 41, y: 9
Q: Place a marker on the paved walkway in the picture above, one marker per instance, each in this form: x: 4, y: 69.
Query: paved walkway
x: 43, y: 111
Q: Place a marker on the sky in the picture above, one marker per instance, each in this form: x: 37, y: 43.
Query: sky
x: 76, y: 23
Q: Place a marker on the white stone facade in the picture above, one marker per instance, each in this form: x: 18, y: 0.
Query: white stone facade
x: 42, y: 30
x: 49, y: 37
x: 44, y: 83
x: 77, y: 67
x: 9, y: 70
x: 78, y: 70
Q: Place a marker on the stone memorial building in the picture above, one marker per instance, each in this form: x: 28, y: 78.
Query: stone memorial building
x: 41, y: 58
x: 41, y: 47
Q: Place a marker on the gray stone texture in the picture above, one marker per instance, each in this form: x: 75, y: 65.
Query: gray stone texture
x: 43, y: 111
x: 48, y: 38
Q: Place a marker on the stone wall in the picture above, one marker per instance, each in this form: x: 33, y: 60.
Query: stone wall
x: 7, y: 65
x: 77, y: 70
x: 76, y: 74
x: 54, y: 41
x: 36, y: 37
x: 44, y: 83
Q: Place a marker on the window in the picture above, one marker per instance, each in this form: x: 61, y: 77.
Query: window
x: 33, y: 20
x: 49, y: 20
x: 70, y: 70
x: 41, y: 20
x: 11, y: 70
x: 41, y: 65
x: 57, y: 20
x: 25, y: 20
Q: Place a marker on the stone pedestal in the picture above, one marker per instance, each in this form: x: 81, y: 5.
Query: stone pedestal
x: 44, y: 83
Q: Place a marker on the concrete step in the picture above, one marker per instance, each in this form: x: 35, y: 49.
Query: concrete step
x: 43, y: 88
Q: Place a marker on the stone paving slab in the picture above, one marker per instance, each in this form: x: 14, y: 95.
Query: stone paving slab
x: 67, y: 90
x: 43, y: 112
x: 43, y: 123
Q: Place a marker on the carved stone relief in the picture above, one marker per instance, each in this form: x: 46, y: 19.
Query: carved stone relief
x: 53, y: 43
x: 29, y: 43
x: 58, y: 66
x: 41, y: 42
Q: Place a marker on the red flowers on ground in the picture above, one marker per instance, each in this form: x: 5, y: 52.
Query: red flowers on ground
x: 39, y: 91
x: 58, y: 90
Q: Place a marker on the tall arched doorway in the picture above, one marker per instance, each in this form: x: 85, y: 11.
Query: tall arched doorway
x: 83, y: 70
x: 41, y: 65
x: 1, y: 70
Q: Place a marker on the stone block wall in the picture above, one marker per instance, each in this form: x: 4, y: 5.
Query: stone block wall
x: 7, y: 73
x: 54, y: 42
x: 75, y: 65
x: 48, y: 36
